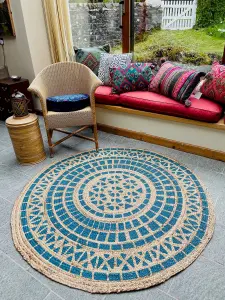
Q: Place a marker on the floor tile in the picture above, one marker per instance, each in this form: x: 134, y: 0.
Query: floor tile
x: 11, y: 181
x: 203, y: 280
x: 149, y: 294
x: 63, y: 291
x: 215, y: 250
x: 215, y: 165
x: 5, y: 211
x: 165, y: 286
x: 220, y: 209
x: 13, y: 193
x: 213, y: 181
x: 18, y: 284
x: 218, y: 181
x: 40, y: 277
x: 53, y: 296
x: 4, y: 131
x: 7, y: 246
x: 204, y: 173
x: 7, y: 266
x: 5, y: 230
x: 187, y: 159
x: 11, y: 176
x: 3, y: 146
x: 35, y: 169
x: 8, y: 159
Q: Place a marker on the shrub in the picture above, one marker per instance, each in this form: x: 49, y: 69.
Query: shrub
x: 197, y: 58
x: 177, y: 54
x: 184, y: 46
x: 210, y: 12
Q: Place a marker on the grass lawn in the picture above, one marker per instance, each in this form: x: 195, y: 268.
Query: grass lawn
x: 190, y: 41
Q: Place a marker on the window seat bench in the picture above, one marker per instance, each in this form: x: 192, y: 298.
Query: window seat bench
x: 205, y: 137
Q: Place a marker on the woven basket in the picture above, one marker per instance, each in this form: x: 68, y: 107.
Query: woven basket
x: 26, y: 139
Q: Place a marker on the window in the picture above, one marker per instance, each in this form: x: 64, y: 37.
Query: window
x: 185, y: 31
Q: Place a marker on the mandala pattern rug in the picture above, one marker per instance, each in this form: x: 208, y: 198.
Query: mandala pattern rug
x: 113, y: 220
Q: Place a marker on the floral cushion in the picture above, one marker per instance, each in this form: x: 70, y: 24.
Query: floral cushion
x: 175, y: 82
x: 67, y: 103
x: 214, y: 86
x: 90, y: 57
x: 112, y: 61
x: 134, y: 77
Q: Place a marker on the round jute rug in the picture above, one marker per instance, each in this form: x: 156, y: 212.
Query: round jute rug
x: 113, y: 220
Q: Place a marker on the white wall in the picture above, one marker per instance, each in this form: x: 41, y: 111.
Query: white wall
x: 18, y: 57
x: 28, y: 53
x: 36, y: 34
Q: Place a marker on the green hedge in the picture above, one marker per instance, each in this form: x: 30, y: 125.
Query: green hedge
x: 210, y: 12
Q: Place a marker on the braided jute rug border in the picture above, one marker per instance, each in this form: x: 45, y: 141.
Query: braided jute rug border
x: 99, y: 286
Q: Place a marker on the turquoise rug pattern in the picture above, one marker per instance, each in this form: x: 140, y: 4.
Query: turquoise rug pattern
x: 113, y: 220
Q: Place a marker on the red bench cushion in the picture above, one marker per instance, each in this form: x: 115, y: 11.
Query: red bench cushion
x: 201, y: 110
x: 104, y: 95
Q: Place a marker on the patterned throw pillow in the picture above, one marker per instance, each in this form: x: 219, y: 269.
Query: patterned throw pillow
x: 175, y: 82
x: 214, y: 86
x: 90, y: 57
x: 112, y: 61
x: 134, y: 77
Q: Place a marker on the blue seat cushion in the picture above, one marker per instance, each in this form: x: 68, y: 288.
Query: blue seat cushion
x: 65, y: 103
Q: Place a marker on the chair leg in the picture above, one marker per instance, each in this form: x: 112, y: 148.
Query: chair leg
x: 49, y: 134
x: 96, y: 136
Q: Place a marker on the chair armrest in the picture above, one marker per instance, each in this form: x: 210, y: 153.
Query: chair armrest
x: 39, y: 89
x: 94, y: 83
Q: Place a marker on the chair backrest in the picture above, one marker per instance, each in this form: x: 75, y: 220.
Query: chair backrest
x: 65, y: 78
x: 61, y: 79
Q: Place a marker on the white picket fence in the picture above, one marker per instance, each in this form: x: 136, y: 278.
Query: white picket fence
x: 179, y: 14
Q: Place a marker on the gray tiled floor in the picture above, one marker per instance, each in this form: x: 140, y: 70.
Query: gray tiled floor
x: 203, y: 280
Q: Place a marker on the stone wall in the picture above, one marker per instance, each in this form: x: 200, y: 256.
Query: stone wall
x: 154, y: 2
x: 98, y: 23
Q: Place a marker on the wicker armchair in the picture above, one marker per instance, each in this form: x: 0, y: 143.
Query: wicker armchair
x: 61, y: 79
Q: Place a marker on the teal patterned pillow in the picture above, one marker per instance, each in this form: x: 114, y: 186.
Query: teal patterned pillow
x: 112, y: 61
x: 134, y: 77
x: 90, y: 57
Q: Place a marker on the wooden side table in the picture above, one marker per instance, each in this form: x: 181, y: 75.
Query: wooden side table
x: 26, y: 139
x: 7, y: 88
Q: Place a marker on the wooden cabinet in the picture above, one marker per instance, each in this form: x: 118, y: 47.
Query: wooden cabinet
x: 7, y: 88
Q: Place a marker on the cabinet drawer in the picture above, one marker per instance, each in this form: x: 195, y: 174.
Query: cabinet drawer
x: 4, y: 89
x: 9, y: 87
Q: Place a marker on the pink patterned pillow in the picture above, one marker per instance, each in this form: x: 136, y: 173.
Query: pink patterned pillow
x: 175, y: 82
x: 214, y: 87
